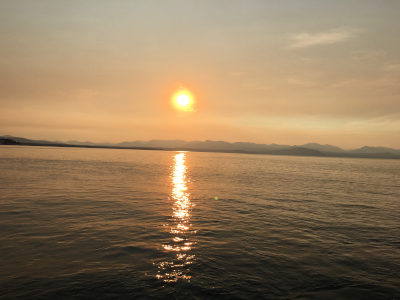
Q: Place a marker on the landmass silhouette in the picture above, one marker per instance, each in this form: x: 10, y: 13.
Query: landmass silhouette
x: 310, y: 149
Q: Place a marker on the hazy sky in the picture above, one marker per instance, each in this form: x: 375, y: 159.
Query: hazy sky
x: 286, y: 72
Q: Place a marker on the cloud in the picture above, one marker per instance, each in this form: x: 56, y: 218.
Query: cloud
x: 86, y: 93
x: 301, y: 82
x: 237, y: 73
x: 390, y: 122
x: 392, y: 68
x: 304, y: 40
x: 352, y: 82
x: 365, y: 54
x: 365, y: 82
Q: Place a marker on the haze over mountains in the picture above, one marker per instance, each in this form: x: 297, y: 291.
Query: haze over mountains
x: 310, y: 149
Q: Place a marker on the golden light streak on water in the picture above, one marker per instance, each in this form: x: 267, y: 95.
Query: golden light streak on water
x: 180, y: 227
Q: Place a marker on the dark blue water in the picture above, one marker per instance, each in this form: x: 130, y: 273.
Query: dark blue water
x: 130, y: 224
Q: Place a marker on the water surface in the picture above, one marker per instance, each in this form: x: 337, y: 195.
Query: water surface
x: 134, y: 224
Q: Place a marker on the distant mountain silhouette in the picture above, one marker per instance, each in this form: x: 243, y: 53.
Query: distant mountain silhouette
x: 298, y: 151
x: 238, y: 146
x: 154, y: 143
x: 26, y: 141
x: 323, y: 148
x: 8, y: 141
x: 79, y: 143
x: 310, y: 149
x: 367, y: 149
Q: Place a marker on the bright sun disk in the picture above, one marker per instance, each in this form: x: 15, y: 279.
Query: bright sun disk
x: 183, y: 100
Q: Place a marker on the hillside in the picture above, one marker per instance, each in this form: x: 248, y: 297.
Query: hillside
x: 310, y: 149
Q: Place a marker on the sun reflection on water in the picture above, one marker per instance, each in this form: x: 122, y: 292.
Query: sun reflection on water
x: 180, y: 227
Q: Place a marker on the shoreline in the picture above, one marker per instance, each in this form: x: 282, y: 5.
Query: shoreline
x: 297, y: 151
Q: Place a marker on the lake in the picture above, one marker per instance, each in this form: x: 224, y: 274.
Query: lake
x: 81, y: 223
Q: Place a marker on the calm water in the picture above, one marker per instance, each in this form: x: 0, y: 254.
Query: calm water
x: 131, y: 224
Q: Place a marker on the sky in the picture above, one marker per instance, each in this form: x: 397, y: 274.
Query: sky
x: 285, y: 72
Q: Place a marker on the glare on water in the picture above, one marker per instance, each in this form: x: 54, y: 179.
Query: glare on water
x: 180, y: 227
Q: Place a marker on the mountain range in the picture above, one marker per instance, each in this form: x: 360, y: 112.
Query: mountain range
x: 310, y: 149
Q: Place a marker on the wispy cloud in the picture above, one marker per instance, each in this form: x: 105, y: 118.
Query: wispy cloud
x: 301, y: 82
x: 365, y: 54
x: 352, y: 82
x: 385, y: 122
x: 392, y: 68
x: 86, y: 93
x: 304, y: 40
x: 237, y: 73
x: 365, y: 82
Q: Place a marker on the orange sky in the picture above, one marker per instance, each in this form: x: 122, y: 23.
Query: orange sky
x: 286, y: 72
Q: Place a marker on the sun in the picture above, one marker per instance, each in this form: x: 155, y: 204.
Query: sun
x: 183, y: 100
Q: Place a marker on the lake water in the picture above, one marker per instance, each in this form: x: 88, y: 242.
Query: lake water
x: 81, y: 223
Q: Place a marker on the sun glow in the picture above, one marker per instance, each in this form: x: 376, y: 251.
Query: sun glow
x: 183, y: 100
